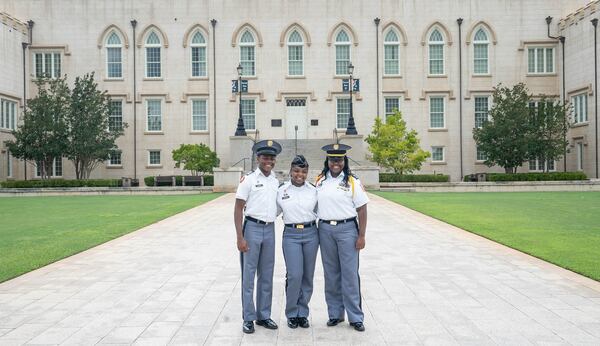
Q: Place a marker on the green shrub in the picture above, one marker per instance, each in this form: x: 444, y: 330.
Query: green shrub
x: 209, y: 180
x: 410, y: 178
x: 552, y: 176
x: 17, y: 184
x: 149, y: 181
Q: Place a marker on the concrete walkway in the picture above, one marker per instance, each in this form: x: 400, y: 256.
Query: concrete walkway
x: 423, y: 282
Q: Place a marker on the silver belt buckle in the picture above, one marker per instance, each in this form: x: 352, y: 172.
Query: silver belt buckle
x: 333, y: 223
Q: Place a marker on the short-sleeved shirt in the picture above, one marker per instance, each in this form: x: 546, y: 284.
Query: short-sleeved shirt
x: 260, y: 194
x: 298, y: 203
x: 338, y: 201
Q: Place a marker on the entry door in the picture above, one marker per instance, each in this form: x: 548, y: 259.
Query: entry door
x: 295, y: 118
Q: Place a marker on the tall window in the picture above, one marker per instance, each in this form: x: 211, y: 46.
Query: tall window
x: 481, y: 155
x: 436, y: 53
x: 342, y: 53
x: 154, y: 115
x: 343, y: 113
x: 579, y: 104
x: 115, y: 120
x: 392, y: 104
x: 114, y: 67
x: 8, y: 114
x: 580, y: 156
x: 153, y: 46
x: 540, y: 60
x: 55, y: 170
x: 391, y: 56
x: 480, y: 52
x: 295, y: 54
x: 199, y: 118
x: 154, y: 157
x: 436, y: 112
x: 481, y: 110
x: 198, y: 55
x: 114, y: 158
x: 47, y: 64
x: 247, y: 55
x: 9, y: 171
x: 437, y: 154
x: 249, y: 114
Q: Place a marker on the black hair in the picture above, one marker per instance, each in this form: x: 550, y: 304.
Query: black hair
x: 346, y: 170
x: 299, y: 161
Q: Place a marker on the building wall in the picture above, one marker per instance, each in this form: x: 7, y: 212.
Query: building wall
x: 579, y: 52
x: 76, y: 30
x: 12, y: 33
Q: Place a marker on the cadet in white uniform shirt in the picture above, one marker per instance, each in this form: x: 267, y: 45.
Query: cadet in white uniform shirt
x: 342, y: 211
x: 256, y: 200
x: 297, y: 199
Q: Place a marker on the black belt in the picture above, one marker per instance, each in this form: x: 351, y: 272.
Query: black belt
x: 335, y: 222
x: 301, y: 225
x: 260, y: 222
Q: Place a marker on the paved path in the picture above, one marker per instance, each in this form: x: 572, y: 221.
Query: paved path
x: 177, y: 281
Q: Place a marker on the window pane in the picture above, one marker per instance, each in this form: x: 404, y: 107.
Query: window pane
x: 342, y: 59
x: 154, y: 115
x: 531, y: 60
x: 437, y: 154
x: 56, y: 65
x: 38, y: 65
x: 153, y: 62
x: 154, y: 157
x: 58, y: 167
x: 199, y: 121
x: 295, y: 67
x: 436, y: 112
x: 247, y: 60
x: 343, y: 113
x: 540, y: 60
x: 436, y: 59
x: 481, y: 58
x: 391, y: 61
x: 198, y: 61
x: 391, y: 104
x: 249, y: 114
x: 115, y: 121
x: 549, y: 60
x: 113, y: 56
x: 481, y: 111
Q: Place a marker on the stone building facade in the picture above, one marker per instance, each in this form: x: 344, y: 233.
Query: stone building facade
x: 172, y: 72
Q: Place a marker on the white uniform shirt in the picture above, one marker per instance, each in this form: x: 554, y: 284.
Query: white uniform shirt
x: 260, y: 194
x: 298, y: 204
x: 337, y: 201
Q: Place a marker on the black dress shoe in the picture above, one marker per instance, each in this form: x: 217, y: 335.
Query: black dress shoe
x: 248, y: 327
x: 334, y: 321
x: 292, y: 322
x: 303, y: 322
x: 268, y: 323
x: 359, y: 326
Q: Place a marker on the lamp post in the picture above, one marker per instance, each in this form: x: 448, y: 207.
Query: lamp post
x: 241, y: 130
x: 351, y: 129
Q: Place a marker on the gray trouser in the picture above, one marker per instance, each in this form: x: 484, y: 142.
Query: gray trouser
x: 259, y: 260
x: 300, y: 248
x: 340, y: 264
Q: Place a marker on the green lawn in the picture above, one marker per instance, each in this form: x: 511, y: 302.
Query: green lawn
x: 36, y: 231
x: 559, y: 227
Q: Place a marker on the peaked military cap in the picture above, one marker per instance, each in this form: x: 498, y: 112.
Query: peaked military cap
x: 267, y: 147
x: 336, y: 149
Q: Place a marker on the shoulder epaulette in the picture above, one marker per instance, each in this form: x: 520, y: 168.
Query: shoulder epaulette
x: 281, y: 184
x: 319, y: 177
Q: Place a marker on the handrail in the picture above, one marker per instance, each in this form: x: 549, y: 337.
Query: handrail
x: 244, y: 159
x: 353, y: 161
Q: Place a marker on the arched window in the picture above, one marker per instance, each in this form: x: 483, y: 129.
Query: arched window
x: 198, y: 46
x: 436, y: 53
x: 342, y: 53
x: 391, y: 53
x: 114, y: 62
x: 247, y: 54
x: 480, y: 52
x: 295, y: 54
x: 153, y: 46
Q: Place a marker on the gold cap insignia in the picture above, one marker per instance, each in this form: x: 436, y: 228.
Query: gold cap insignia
x: 269, y: 143
x: 336, y: 146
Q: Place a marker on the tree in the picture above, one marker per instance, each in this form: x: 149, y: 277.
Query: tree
x: 548, y: 122
x: 197, y: 158
x: 42, y: 136
x: 394, y: 146
x: 505, y: 138
x: 90, y: 138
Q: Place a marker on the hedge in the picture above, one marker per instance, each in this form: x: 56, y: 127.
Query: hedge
x: 551, y: 176
x: 410, y: 178
x: 208, y: 181
x: 11, y: 184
